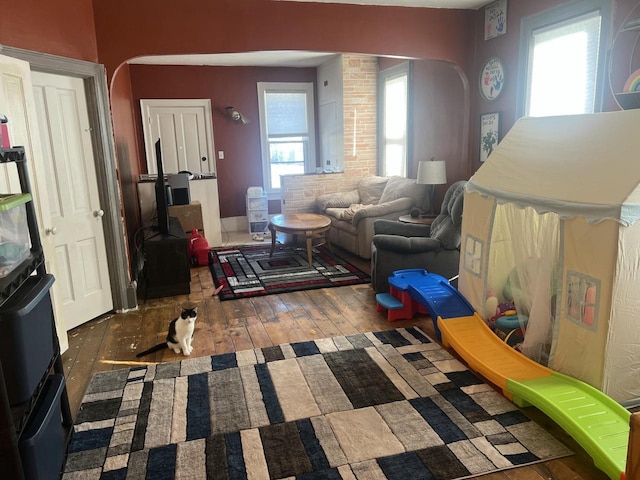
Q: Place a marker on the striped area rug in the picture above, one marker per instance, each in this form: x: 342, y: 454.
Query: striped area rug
x: 384, y: 405
x: 249, y: 271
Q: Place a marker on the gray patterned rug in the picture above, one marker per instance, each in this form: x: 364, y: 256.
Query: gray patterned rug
x: 384, y: 405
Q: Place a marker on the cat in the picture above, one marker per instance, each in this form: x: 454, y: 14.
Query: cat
x: 180, y: 334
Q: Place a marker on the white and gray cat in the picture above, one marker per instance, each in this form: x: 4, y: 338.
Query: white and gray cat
x: 180, y: 334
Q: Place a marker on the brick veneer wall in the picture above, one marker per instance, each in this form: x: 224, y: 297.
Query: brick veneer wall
x: 360, y: 77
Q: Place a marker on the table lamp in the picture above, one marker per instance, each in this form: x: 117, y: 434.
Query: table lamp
x: 432, y: 172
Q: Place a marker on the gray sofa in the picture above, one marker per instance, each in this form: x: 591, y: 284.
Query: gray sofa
x: 353, y: 213
x: 435, y: 247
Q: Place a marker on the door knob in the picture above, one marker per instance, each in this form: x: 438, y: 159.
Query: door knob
x: 204, y: 159
x: 98, y: 213
x: 51, y: 231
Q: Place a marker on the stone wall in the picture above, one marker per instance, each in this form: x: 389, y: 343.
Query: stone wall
x: 360, y: 77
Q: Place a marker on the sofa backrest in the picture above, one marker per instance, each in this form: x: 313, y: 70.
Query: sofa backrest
x: 400, y: 187
x: 370, y: 189
x: 447, y: 226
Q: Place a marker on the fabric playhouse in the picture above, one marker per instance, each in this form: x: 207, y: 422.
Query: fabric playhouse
x: 550, y: 225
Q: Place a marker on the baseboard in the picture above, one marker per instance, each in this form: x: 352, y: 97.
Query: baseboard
x: 235, y: 224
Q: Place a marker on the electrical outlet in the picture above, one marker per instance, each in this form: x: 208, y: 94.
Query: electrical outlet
x: 220, y: 154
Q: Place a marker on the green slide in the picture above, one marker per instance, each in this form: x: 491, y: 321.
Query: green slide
x: 597, y: 422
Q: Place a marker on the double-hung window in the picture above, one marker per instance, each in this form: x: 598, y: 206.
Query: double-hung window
x: 287, y: 131
x: 393, y: 122
x: 564, y: 59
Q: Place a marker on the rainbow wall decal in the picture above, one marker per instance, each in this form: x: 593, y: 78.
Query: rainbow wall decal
x: 633, y: 82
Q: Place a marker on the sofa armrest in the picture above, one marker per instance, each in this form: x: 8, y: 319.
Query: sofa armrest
x: 337, y: 200
x: 400, y: 206
x: 405, y: 245
x: 391, y: 227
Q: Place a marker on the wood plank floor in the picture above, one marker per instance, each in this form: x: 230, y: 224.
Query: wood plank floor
x: 111, y: 342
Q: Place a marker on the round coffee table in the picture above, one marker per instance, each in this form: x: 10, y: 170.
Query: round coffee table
x: 313, y: 226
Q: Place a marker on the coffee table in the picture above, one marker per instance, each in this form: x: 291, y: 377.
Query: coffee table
x: 313, y: 226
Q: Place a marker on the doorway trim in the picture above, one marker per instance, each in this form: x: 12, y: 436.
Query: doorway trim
x: 95, y: 81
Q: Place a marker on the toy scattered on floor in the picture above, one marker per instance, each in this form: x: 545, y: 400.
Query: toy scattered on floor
x: 199, y: 250
x: 508, y: 324
x: 411, y: 291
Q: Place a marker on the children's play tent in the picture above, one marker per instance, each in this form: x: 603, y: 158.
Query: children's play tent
x: 550, y: 224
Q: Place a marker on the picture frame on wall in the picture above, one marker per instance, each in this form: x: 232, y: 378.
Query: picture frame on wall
x: 495, y: 19
x: 491, y: 80
x: 489, y: 134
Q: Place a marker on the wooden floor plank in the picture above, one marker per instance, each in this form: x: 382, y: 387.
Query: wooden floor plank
x: 259, y: 336
x: 240, y: 338
x: 223, y: 327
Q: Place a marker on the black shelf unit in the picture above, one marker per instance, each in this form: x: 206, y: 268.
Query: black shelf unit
x: 14, y: 419
x: 167, y: 269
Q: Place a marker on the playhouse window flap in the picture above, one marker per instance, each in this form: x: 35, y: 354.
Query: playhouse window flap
x: 624, y: 214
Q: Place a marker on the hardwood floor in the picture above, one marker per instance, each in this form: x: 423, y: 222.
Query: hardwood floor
x: 111, y: 342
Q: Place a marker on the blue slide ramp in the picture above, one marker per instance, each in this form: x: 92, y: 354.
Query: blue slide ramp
x: 434, y: 292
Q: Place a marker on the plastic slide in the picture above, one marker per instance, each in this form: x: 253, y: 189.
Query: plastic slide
x: 597, y: 422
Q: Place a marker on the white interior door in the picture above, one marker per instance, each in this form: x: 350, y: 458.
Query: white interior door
x: 17, y: 102
x: 185, y: 131
x: 74, y: 205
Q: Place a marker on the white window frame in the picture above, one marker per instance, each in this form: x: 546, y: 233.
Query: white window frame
x: 393, y: 73
x: 557, y: 16
x: 310, y: 158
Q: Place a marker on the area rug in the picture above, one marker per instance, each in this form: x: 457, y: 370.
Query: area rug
x: 384, y: 405
x: 249, y: 271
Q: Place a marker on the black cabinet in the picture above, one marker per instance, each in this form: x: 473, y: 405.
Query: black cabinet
x: 34, y: 411
x: 166, y: 262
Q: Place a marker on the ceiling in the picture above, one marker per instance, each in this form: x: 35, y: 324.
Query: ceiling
x: 280, y: 58
x: 464, y: 4
x: 292, y: 58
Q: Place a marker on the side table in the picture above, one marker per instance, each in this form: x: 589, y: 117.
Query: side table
x: 420, y: 220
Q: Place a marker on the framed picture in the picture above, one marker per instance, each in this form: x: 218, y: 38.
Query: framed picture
x: 489, y: 134
x: 495, y: 19
x: 491, y: 81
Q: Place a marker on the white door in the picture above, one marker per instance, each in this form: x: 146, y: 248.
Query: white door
x: 185, y: 130
x: 17, y: 102
x: 74, y: 206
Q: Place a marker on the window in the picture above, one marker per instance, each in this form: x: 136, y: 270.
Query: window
x: 394, y: 96
x: 286, y: 131
x: 563, y: 53
x: 582, y: 299
x: 473, y: 255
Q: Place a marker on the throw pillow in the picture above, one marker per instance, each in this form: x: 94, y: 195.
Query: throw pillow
x: 400, y: 187
x: 348, y: 213
x: 370, y: 189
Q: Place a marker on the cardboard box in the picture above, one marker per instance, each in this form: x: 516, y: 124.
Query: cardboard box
x: 189, y: 216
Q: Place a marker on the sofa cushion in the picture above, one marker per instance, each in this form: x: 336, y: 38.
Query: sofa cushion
x: 337, y: 199
x: 370, y: 189
x: 348, y: 213
x: 346, y: 225
x: 400, y: 187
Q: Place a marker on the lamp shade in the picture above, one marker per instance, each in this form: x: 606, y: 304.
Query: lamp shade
x: 432, y: 172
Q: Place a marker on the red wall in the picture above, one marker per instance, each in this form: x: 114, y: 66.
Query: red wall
x: 146, y: 27
x: 440, y: 119
x: 60, y: 27
x: 126, y: 29
x: 236, y: 86
x: 124, y: 127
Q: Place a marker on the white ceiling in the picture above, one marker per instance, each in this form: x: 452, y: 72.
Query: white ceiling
x: 292, y: 58
x: 463, y: 4
x: 281, y: 58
